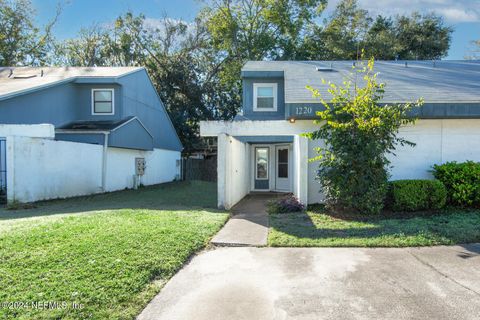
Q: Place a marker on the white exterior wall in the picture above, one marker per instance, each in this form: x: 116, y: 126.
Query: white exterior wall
x: 300, y: 171
x: 40, y: 169
x: 438, y: 141
x: 27, y: 130
x: 314, y: 189
x: 233, y: 171
x: 161, y: 166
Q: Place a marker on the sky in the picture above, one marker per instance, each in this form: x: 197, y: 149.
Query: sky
x: 463, y: 15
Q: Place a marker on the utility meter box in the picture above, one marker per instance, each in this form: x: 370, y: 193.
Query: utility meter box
x: 140, y: 166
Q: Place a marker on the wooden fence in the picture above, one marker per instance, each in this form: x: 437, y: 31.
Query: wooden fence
x: 200, y: 169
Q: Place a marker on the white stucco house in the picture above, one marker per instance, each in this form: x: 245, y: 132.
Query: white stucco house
x: 263, y: 149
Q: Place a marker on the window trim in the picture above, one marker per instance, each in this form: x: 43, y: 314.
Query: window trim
x: 268, y: 163
x: 272, y: 85
x: 112, y: 90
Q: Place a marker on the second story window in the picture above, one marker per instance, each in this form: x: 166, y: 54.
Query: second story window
x: 103, y: 101
x: 264, y: 97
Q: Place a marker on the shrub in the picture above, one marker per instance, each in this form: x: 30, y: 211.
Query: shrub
x: 462, y: 181
x: 417, y: 195
x: 358, y: 132
x: 285, y: 204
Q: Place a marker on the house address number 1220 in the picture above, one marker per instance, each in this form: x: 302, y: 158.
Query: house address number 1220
x: 303, y: 110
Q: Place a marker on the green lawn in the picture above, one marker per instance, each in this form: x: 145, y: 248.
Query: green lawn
x: 110, y: 253
x: 316, y: 228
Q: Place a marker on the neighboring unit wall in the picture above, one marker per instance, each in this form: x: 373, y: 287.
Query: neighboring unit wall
x: 233, y: 171
x: 315, y: 194
x: 437, y: 141
x: 161, y: 166
x: 56, y: 105
x: 27, y: 130
x: 39, y: 169
x: 141, y: 99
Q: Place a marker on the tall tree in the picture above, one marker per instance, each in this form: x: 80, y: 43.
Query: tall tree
x: 21, y: 42
x: 380, y: 40
x: 422, y: 37
x: 345, y: 31
x: 350, y: 29
x: 84, y: 50
x: 242, y: 30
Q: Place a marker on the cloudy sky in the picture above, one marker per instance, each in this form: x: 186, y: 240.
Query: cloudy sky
x: 463, y: 15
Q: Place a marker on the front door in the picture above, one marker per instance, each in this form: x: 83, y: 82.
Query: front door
x: 282, y: 170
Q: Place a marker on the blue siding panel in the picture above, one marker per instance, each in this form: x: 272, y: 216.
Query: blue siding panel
x: 84, y: 101
x: 264, y: 139
x: 262, y: 74
x: 461, y: 110
x: 97, y: 138
x: 141, y: 99
x: 248, y: 112
x: 132, y: 136
x: 71, y: 101
x: 56, y: 105
x: 261, y: 184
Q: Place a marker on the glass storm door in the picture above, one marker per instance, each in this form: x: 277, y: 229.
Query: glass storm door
x: 261, y: 168
x: 282, y: 181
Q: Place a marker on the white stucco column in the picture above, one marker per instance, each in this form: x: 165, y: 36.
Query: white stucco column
x: 222, y: 147
x: 300, y: 154
x: 10, y: 149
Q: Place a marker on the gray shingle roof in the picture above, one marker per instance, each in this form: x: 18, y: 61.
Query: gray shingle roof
x: 445, y: 82
x: 14, y: 80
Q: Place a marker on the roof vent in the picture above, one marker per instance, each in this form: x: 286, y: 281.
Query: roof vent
x: 25, y: 77
x: 325, y: 69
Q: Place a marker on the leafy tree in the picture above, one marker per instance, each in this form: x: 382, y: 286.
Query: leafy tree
x: 85, y: 50
x: 21, y: 42
x: 350, y: 29
x: 345, y: 31
x: 242, y: 30
x: 422, y: 37
x: 380, y: 39
x: 359, y: 132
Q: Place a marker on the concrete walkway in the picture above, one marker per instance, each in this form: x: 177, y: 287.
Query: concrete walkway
x: 248, y: 225
x: 324, y: 283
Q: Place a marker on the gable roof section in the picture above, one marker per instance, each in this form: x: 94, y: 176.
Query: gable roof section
x: 127, y: 133
x: 20, y: 80
x: 436, y: 82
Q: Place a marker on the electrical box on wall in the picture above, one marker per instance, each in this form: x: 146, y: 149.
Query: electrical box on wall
x: 140, y: 166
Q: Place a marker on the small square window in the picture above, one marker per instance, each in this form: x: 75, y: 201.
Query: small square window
x: 265, y: 97
x: 102, y: 101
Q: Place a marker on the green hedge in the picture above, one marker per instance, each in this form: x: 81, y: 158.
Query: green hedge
x: 416, y: 195
x: 462, y: 181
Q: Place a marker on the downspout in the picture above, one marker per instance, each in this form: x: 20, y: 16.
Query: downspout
x: 104, y: 162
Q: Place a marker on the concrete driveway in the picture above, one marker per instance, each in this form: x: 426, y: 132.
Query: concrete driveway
x: 329, y: 283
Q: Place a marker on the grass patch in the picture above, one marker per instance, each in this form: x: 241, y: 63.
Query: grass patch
x: 317, y: 228
x: 111, y: 252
